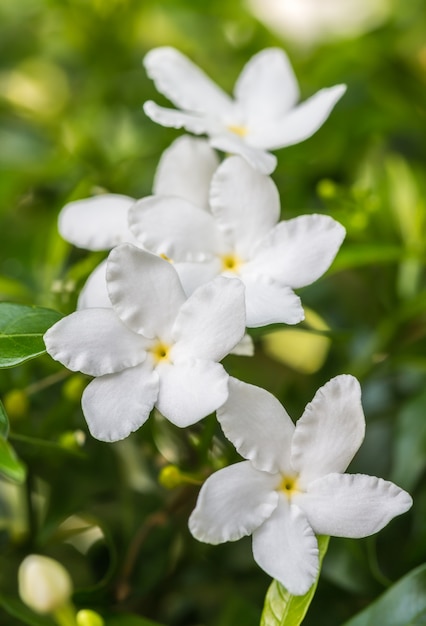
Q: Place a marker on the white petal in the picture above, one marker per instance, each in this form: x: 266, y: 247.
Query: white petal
x: 173, y: 226
x: 191, y: 391
x: 232, y: 503
x: 287, y: 549
x: 267, y: 87
x: 144, y: 289
x: 245, y: 347
x: 97, y: 223
x: 352, y: 505
x: 330, y: 430
x: 94, y: 293
x: 95, y: 342
x: 184, y: 84
x: 211, y: 322
x: 268, y: 302
x: 193, y: 275
x: 258, y: 158
x: 258, y: 426
x: 117, y: 404
x: 245, y: 204
x: 298, y: 251
x: 300, y: 123
x: 185, y: 170
x: 171, y: 118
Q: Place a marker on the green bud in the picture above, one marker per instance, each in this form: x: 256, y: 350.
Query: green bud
x: 44, y: 584
x: 16, y: 403
x: 171, y: 477
x: 86, y: 617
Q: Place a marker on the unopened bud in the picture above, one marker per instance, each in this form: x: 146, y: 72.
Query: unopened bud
x: 16, y: 403
x: 86, y: 617
x: 170, y: 477
x: 44, y: 584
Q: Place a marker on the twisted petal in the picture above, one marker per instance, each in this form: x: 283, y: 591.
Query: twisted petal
x: 144, y: 290
x: 298, y: 251
x: 97, y: 223
x: 183, y: 83
x: 258, y: 426
x: 171, y: 118
x: 299, y: 123
x: 95, y: 342
x: 232, y: 503
x: 330, y: 430
x: 268, y: 302
x: 185, y: 170
x: 94, y: 292
x: 245, y: 204
x: 117, y: 404
x: 352, y: 505
x: 258, y: 158
x: 267, y: 87
x: 286, y: 548
x: 190, y: 391
x: 211, y: 322
x: 173, y: 226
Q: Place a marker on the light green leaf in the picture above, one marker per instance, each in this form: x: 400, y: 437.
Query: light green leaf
x: 283, y: 609
x: 21, y: 332
x: 404, y: 604
x: 10, y: 465
x: 358, y: 255
x: 4, y: 422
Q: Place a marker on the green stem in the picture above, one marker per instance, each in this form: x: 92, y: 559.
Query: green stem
x: 65, y: 615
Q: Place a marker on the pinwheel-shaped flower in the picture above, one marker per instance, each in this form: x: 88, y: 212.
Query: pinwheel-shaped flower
x: 153, y: 347
x: 292, y: 486
x: 100, y: 223
x: 263, y: 116
x: 240, y: 237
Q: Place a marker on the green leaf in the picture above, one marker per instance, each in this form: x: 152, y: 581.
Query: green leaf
x: 283, y: 609
x: 22, y: 613
x: 10, y: 465
x: 129, y: 620
x: 404, y: 604
x: 21, y: 332
x: 358, y: 255
x: 4, y: 422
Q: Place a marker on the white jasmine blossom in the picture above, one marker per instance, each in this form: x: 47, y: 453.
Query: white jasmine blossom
x: 154, y: 347
x: 44, y: 584
x: 240, y: 237
x: 292, y: 485
x: 262, y: 116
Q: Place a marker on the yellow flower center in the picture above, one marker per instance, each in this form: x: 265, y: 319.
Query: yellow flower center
x: 241, y: 131
x: 288, y: 485
x: 166, y: 258
x: 160, y: 352
x: 231, y: 263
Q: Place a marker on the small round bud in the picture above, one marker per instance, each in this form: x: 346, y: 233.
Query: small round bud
x: 16, y: 403
x: 44, y: 584
x: 327, y: 189
x: 74, y: 387
x: 86, y: 617
x: 170, y: 477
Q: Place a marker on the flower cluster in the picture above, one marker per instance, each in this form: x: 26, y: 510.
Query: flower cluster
x: 191, y: 267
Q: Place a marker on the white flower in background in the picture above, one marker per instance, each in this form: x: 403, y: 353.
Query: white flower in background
x: 263, y: 115
x: 240, y: 237
x: 100, y: 223
x: 44, y: 584
x: 154, y: 347
x: 292, y: 486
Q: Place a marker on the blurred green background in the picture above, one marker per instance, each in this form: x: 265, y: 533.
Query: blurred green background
x: 72, y: 87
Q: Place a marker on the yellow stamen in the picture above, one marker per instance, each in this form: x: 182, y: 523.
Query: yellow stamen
x: 288, y: 485
x: 241, y: 131
x: 231, y: 263
x: 160, y: 352
x: 166, y: 258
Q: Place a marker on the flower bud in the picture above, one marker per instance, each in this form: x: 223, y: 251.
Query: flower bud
x: 44, y: 584
x: 86, y: 617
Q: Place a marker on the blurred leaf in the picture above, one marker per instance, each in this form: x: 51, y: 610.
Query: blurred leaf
x: 20, y: 611
x: 410, y: 443
x: 404, y: 604
x: 129, y: 620
x: 21, y: 332
x: 10, y: 465
x: 357, y: 255
x: 283, y: 609
x: 4, y: 422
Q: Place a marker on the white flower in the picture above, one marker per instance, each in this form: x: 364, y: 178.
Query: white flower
x: 292, y: 486
x: 100, y: 223
x: 240, y: 237
x: 153, y: 347
x: 44, y: 584
x: 263, y: 116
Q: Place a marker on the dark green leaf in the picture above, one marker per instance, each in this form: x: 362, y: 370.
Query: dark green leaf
x: 129, y: 620
x: 410, y: 443
x: 10, y: 465
x: 4, y: 422
x: 24, y: 614
x: 404, y: 604
x: 21, y: 332
x: 283, y: 609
